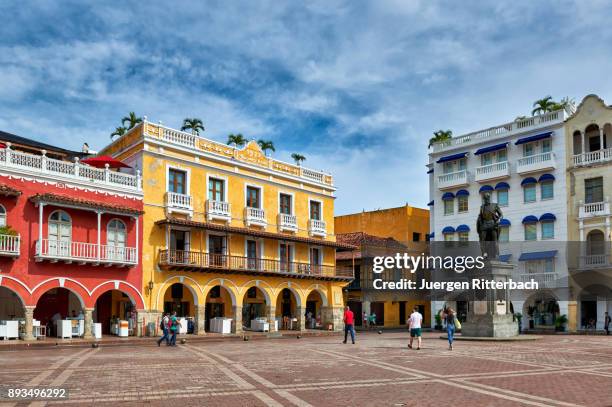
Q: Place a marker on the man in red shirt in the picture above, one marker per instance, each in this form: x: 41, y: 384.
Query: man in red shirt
x: 349, y: 324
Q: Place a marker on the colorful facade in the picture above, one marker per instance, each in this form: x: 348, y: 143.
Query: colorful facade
x: 231, y: 233
x: 69, y: 240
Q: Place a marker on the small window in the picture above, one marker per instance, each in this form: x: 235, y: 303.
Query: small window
x: 449, y: 237
x: 253, y: 197
x: 447, y: 167
x: 529, y: 193
x: 532, y: 266
x: 315, y: 210
x: 486, y: 159
x: 285, y: 204
x: 549, y: 265
x: 177, y: 181
x: 416, y: 237
x: 216, y: 189
x: 464, y: 236
x: 502, y: 197
x: 462, y: 164
x: 548, y: 230
x: 547, y: 190
x: 528, y: 149
x: 593, y: 190
x: 531, y: 231
x: 449, y: 207
x: 546, y: 146
x: 462, y: 204
x: 504, y: 234
x: 502, y: 156
x: 2, y: 216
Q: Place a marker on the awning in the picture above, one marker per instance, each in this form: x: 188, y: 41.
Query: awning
x: 447, y: 196
x: 452, y: 157
x: 432, y: 235
x: 548, y: 217
x: 533, y: 138
x: 485, y: 188
x: 448, y: 229
x: 491, y: 148
x: 430, y: 171
x: 504, y: 222
x: 502, y: 185
x: 463, y: 228
x: 462, y: 192
x: 546, y: 177
x: 529, y: 181
x: 505, y: 257
x: 530, y: 219
x: 431, y: 203
x: 549, y: 254
x: 103, y: 160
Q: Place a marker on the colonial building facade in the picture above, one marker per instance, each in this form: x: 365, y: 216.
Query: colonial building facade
x: 232, y: 233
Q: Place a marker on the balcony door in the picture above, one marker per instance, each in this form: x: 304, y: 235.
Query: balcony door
x: 179, y: 245
x: 177, y: 181
x: 216, y: 250
x: 253, y: 197
x: 286, y: 257
x: 593, y: 190
x: 60, y: 234
x: 115, y: 240
x: 285, y: 204
x: 315, y: 210
x: 216, y: 190
x: 315, y: 260
x: 251, y: 254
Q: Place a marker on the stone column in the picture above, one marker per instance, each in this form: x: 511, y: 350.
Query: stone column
x: 237, y: 322
x: 332, y: 315
x: 271, y: 311
x: 200, y: 320
x: 301, y: 318
x: 87, y: 323
x: 29, y: 323
x: 572, y: 316
x: 601, y: 142
x: 582, y: 144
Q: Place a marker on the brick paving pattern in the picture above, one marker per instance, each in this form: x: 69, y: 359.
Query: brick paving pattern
x: 320, y: 371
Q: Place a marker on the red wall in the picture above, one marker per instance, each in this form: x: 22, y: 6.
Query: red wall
x: 22, y: 215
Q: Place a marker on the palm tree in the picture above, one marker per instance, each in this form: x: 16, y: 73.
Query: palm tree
x: 119, y: 131
x: 298, y: 158
x: 440, y: 135
x: 132, y: 119
x: 542, y: 106
x: 266, y: 145
x: 568, y: 104
x: 236, y: 139
x: 195, y: 125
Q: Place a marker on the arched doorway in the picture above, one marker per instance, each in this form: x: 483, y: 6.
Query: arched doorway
x: 286, y: 309
x: 219, y: 304
x: 181, y: 298
x: 253, y: 306
x: 60, y: 304
x: 112, y: 307
x: 594, y: 301
x: 541, y: 309
x: 11, y: 306
x: 314, y: 310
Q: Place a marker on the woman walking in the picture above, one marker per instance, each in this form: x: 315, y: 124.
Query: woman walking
x: 450, y: 318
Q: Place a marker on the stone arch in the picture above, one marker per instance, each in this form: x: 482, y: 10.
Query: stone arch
x: 541, y: 301
x: 294, y: 288
x: 232, y: 288
x: 595, y: 242
x: 260, y: 284
x: 320, y: 290
x: 126, y: 288
x: 194, y: 288
x: 18, y: 287
x: 74, y: 286
x: 12, y: 305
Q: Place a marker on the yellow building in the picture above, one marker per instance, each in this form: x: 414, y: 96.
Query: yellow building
x: 229, y: 232
x: 383, y: 232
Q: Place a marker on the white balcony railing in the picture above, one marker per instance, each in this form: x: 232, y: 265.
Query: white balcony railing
x: 317, y: 228
x: 537, y: 162
x: 544, y: 280
x: 254, y: 216
x: 452, y: 179
x: 287, y: 222
x: 10, y: 245
x: 179, y: 137
x: 593, y: 157
x: 179, y: 203
x: 70, y: 171
x: 81, y: 252
x: 218, y: 210
x: 591, y: 210
x: 492, y: 171
x: 594, y: 261
x: 515, y: 127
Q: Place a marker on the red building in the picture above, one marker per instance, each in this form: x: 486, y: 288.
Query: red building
x: 70, y: 241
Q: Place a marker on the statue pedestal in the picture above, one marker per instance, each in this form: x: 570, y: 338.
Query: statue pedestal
x: 489, y: 310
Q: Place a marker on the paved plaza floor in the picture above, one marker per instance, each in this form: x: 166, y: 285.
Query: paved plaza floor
x: 321, y: 371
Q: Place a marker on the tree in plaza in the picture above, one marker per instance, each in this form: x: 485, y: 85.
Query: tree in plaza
x: 440, y: 135
x: 195, y: 125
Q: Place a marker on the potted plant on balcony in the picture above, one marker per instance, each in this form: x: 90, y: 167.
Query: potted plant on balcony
x: 6, y: 236
x: 560, y: 323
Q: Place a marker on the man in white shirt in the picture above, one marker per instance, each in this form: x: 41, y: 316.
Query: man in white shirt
x: 414, y: 323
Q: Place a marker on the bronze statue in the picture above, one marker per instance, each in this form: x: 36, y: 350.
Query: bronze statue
x: 487, y: 227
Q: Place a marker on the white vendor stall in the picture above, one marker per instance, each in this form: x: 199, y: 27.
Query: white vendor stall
x: 9, y: 329
x: 221, y: 325
x: 260, y: 324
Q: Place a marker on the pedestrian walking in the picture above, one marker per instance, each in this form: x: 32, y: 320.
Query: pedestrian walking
x: 349, y: 324
x: 607, y: 322
x: 173, y: 328
x: 163, y: 325
x: 372, y: 321
x: 364, y: 317
x: 414, y: 324
x: 450, y: 317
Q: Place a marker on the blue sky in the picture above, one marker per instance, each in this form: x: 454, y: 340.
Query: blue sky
x: 356, y: 87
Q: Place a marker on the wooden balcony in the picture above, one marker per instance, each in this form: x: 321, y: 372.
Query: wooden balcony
x: 199, y: 261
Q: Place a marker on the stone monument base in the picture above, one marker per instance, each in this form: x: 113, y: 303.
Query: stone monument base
x: 492, y: 326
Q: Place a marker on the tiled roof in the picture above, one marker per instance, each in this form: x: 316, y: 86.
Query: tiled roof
x: 83, y: 203
x: 361, y: 238
x: 254, y: 232
x: 9, y: 191
x: 12, y: 138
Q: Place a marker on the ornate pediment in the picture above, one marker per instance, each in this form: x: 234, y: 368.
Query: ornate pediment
x: 252, y: 154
